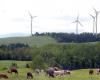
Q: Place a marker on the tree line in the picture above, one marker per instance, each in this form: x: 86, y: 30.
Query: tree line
x: 68, y: 56
x: 71, y: 37
x: 17, y: 51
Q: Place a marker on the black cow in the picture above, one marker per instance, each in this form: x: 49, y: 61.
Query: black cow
x: 29, y: 75
x: 91, y: 72
x: 50, y: 72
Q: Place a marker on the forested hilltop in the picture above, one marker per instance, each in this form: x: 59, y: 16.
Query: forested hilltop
x: 29, y: 40
x: 71, y: 37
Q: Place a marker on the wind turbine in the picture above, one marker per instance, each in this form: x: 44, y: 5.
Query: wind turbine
x: 77, y: 23
x: 96, y: 17
x: 93, y: 22
x: 32, y: 17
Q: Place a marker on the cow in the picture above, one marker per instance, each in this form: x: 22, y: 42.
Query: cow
x: 42, y: 71
x: 60, y: 73
x: 50, y: 72
x: 56, y: 68
x: 13, y: 70
x: 3, y: 75
x: 91, y: 72
x: 98, y: 71
x: 37, y: 71
x: 29, y: 75
x: 67, y: 72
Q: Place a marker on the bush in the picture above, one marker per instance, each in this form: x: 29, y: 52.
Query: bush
x: 14, y: 65
x: 4, y: 68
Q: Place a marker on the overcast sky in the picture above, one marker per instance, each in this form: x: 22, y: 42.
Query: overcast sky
x: 52, y: 15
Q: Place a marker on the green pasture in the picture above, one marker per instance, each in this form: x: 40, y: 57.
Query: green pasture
x: 5, y: 64
x: 75, y: 74
x: 30, y: 40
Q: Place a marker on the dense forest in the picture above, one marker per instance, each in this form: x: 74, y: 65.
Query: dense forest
x: 71, y: 37
x: 16, y: 51
x: 66, y: 56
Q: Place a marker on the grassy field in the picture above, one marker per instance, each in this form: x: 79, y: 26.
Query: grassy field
x: 4, y: 64
x: 75, y: 75
x: 30, y: 40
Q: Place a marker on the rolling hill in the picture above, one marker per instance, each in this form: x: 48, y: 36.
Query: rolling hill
x: 30, y: 40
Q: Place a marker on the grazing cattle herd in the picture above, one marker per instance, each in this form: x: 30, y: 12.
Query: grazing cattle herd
x: 50, y: 72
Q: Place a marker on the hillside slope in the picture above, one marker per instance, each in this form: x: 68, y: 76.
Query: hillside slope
x: 31, y: 41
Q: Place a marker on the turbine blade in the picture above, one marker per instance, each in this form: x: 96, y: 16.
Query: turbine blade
x: 80, y: 23
x: 98, y: 11
x: 74, y: 21
x: 34, y: 16
x: 30, y: 14
x: 92, y: 16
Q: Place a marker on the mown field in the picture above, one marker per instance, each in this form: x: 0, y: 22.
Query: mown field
x: 30, y: 40
x: 75, y: 74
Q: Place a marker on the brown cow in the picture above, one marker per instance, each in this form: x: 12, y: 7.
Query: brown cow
x: 91, y: 72
x: 13, y: 70
x: 29, y: 75
x: 3, y: 75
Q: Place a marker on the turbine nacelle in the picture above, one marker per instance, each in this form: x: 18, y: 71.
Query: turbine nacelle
x: 31, y: 15
x: 96, y: 12
x: 77, y: 22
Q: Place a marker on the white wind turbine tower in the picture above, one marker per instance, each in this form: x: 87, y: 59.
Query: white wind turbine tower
x: 32, y: 17
x: 96, y: 17
x: 77, y: 23
x: 93, y: 23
